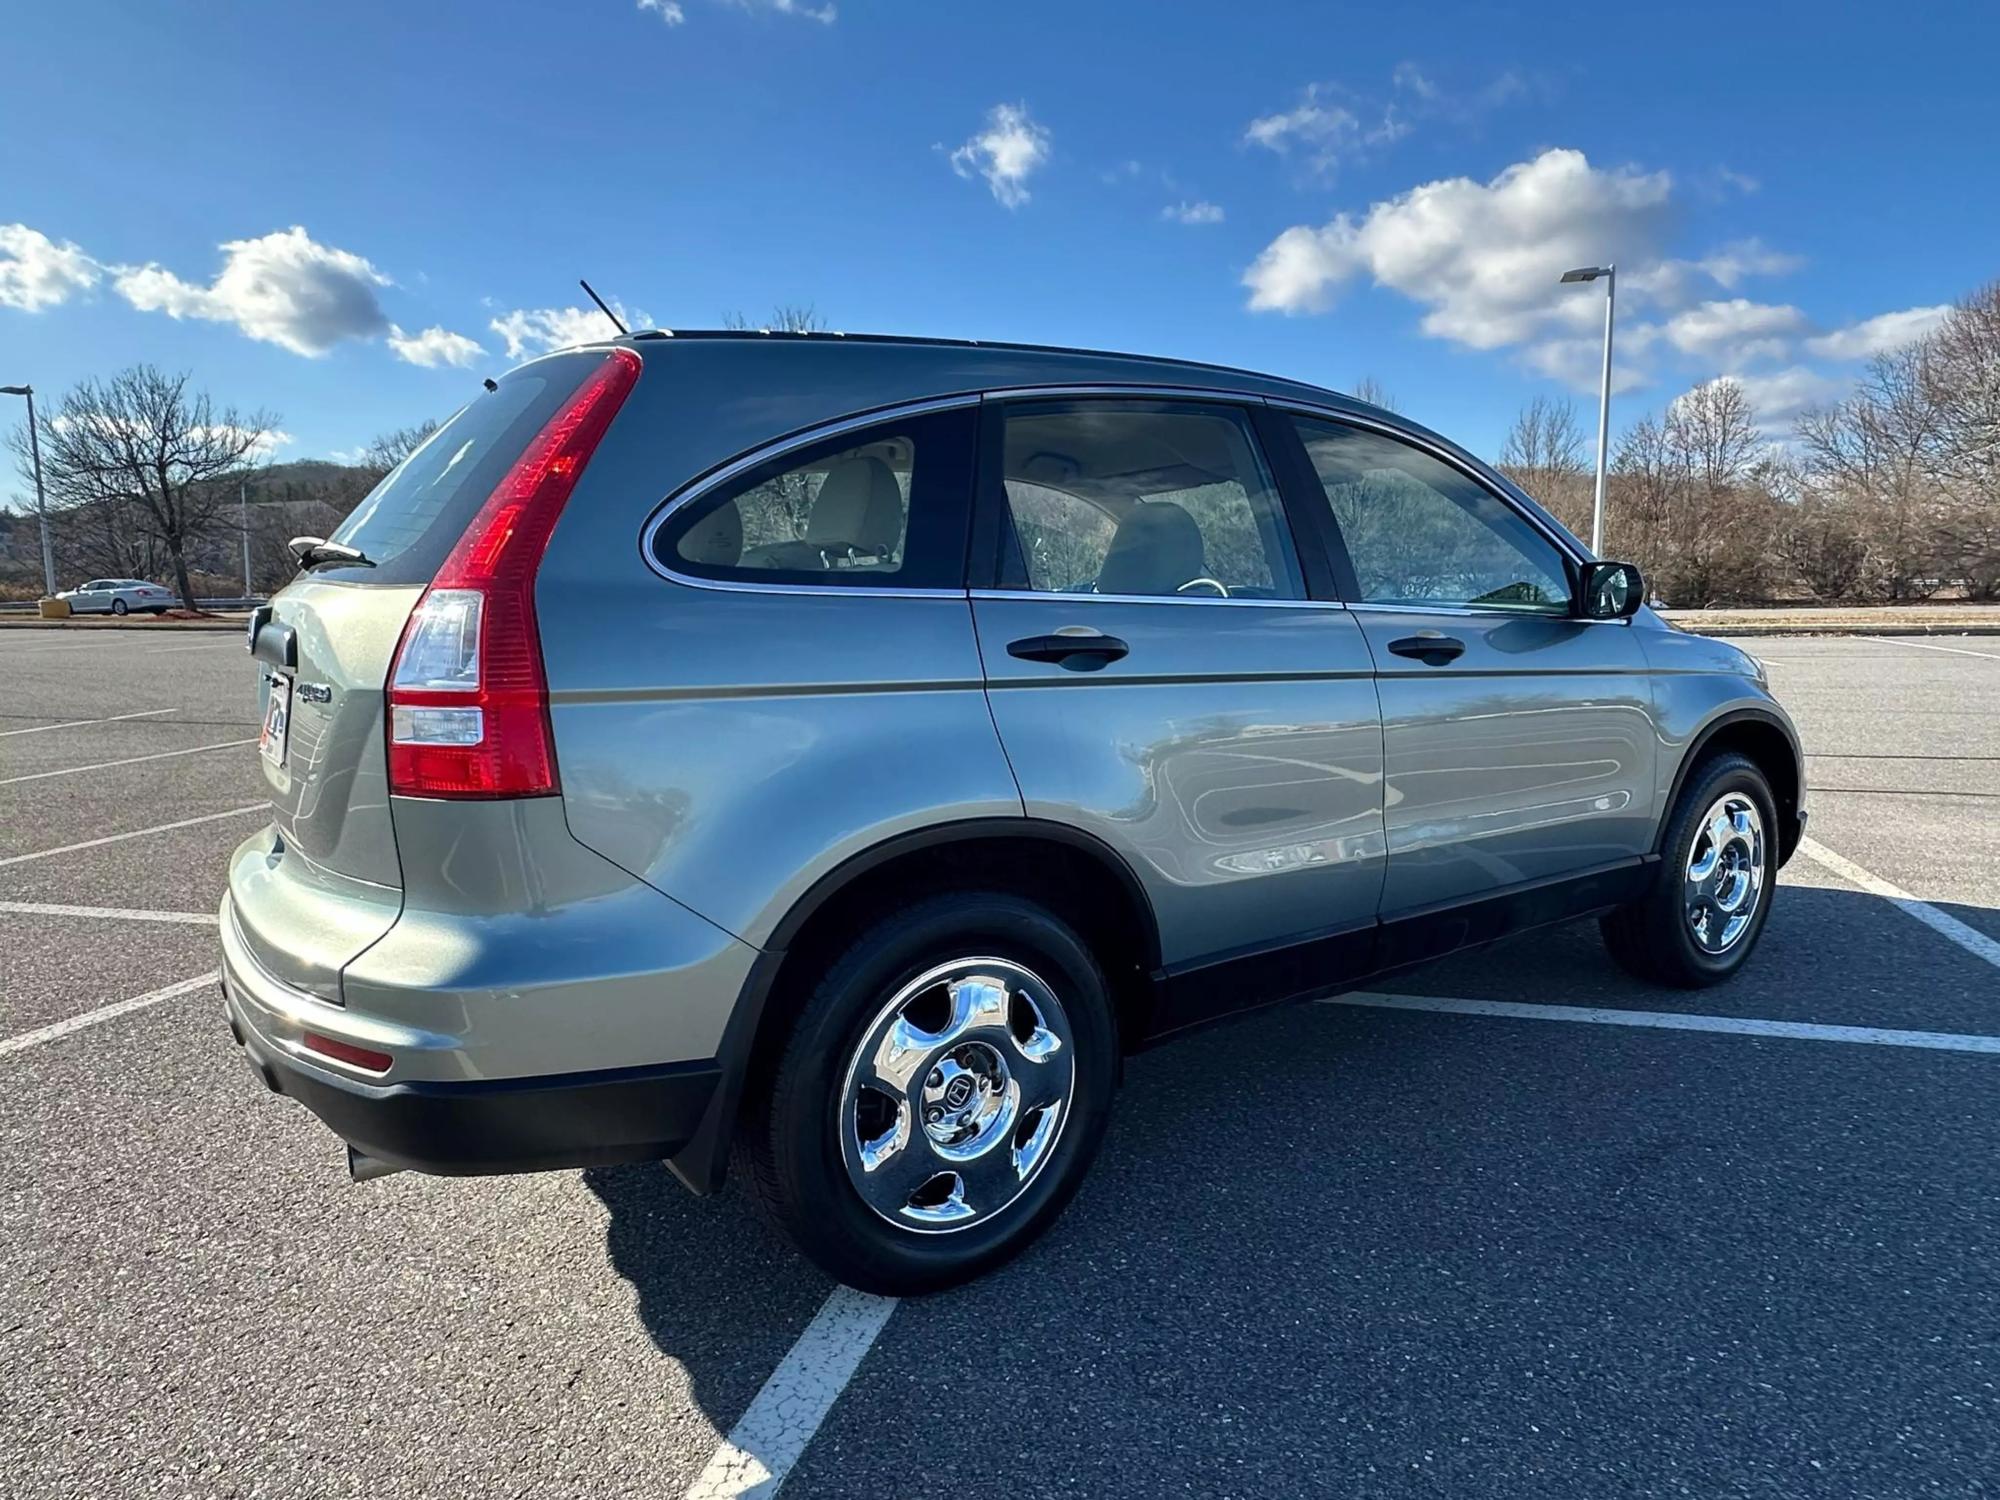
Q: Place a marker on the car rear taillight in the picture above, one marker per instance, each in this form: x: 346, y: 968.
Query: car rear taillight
x: 468, y: 700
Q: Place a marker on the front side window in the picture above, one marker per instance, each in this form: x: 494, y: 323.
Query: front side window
x: 881, y: 508
x: 1421, y: 532
x: 1142, y: 499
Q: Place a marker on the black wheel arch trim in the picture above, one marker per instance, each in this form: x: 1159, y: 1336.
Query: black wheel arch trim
x: 1790, y: 829
x: 703, y: 1163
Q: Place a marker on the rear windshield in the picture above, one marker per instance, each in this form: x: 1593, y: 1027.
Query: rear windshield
x: 408, y: 523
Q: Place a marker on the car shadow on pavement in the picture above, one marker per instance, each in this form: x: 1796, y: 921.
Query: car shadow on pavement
x: 718, y: 1292
x: 722, y: 1295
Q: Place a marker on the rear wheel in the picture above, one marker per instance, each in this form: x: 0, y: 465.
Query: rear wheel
x: 1712, y: 889
x: 940, y: 1096
x: 118, y: 606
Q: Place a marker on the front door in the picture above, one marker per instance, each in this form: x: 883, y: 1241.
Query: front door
x: 1162, y: 677
x: 1518, y: 739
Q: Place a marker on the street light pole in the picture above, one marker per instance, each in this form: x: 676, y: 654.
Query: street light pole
x: 41, y: 505
x: 1610, y: 277
x: 243, y: 515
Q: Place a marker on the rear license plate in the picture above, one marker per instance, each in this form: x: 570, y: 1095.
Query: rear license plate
x: 277, y: 720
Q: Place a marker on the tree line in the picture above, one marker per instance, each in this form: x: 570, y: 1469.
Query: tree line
x: 1890, y: 494
x: 146, y: 477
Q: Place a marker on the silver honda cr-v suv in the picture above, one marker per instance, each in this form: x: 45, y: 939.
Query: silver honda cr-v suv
x: 837, y: 752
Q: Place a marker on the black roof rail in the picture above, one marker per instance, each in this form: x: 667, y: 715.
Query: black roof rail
x: 1002, y: 345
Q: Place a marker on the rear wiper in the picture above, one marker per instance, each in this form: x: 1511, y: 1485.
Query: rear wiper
x: 317, y: 552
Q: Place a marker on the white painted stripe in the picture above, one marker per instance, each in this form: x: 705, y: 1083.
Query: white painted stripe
x: 233, y: 642
x: 1971, y: 939
x: 1900, y: 640
x: 762, y: 1447
x: 133, y: 760
x: 149, y: 713
x: 1805, y: 1031
x: 104, y: 1013
x: 120, y: 913
x: 136, y: 833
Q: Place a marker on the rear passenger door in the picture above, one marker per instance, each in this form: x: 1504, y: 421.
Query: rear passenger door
x: 1519, y: 739
x: 1168, y: 673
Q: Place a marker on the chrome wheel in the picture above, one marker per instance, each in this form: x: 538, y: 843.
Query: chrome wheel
x: 1725, y: 874
x: 956, y: 1095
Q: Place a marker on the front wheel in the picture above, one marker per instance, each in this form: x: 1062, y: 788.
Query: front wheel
x: 940, y: 1097
x: 1712, y: 889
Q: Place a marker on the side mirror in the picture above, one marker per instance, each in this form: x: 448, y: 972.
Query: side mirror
x: 1609, y: 591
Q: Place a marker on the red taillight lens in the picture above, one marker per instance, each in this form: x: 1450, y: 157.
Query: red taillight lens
x: 468, y: 701
x: 347, y: 1052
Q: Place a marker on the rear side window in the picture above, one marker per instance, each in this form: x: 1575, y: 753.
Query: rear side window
x: 885, y: 507
x: 409, y: 522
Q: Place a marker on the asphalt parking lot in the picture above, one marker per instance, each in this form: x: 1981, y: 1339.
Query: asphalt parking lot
x: 1354, y: 1249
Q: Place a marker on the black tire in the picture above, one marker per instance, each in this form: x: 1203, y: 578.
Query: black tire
x: 1652, y: 938
x: 790, y: 1147
x: 118, y: 606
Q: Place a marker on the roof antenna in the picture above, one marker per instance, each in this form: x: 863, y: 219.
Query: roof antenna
x: 604, y: 309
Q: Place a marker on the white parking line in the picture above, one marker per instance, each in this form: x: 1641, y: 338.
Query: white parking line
x: 148, y: 713
x: 764, y: 1445
x: 133, y: 760
x: 1897, y: 640
x: 120, y: 913
x: 1941, y: 1041
x: 1971, y: 939
x: 233, y: 642
x: 136, y: 833
x: 103, y: 1013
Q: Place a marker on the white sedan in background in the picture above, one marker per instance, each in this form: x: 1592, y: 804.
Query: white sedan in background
x: 117, y: 596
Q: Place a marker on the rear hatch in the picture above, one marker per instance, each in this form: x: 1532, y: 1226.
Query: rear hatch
x: 325, y: 881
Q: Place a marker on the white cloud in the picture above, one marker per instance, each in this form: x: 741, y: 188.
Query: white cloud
x: 1882, y: 334
x: 433, y: 347
x: 1737, y: 331
x: 36, y: 272
x: 1778, y: 398
x: 1005, y: 153
x: 269, y: 443
x: 1331, y: 125
x: 1201, y: 212
x: 824, y: 14
x: 536, y: 330
x: 669, y: 13
x: 1327, y: 128
x: 262, y: 445
x: 1483, y: 258
x: 283, y: 288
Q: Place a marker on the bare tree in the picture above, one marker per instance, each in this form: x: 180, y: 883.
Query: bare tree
x: 142, y: 454
x: 391, y: 448
x: 1371, y: 390
x: 1543, y: 454
x: 1877, y: 453
x: 786, y: 317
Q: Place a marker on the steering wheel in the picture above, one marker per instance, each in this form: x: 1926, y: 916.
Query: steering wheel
x: 1220, y: 588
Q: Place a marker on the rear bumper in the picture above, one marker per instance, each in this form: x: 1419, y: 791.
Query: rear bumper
x: 473, y: 1128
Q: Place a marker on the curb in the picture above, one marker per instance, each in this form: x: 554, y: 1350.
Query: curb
x: 1831, y: 630
x: 181, y: 628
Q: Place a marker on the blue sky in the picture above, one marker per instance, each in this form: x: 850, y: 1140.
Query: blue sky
x: 346, y: 214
